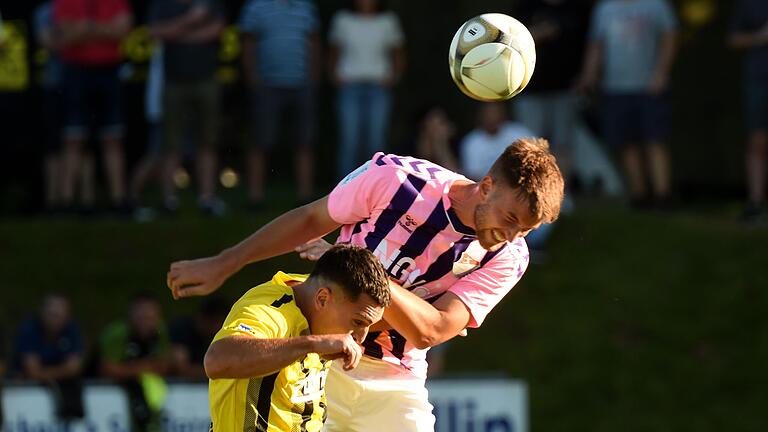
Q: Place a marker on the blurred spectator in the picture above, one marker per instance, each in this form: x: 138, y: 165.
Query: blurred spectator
x: 548, y: 105
x: 367, y: 59
x: 191, y: 336
x: 434, y: 137
x: 190, y: 31
x: 749, y: 32
x: 281, y: 57
x: 135, y: 353
x: 49, y: 348
x: 481, y: 146
x: 634, y: 43
x: 51, y: 105
x: 89, y: 35
x: 151, y: 164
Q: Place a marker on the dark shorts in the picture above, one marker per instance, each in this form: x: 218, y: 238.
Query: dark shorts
x: 91, y: 93
x: 190, y: 110
x: 269, y: 105
x: 635, y: 119
x: 756, y: 104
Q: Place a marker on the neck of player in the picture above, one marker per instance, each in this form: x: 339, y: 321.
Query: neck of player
x: 465, y: 196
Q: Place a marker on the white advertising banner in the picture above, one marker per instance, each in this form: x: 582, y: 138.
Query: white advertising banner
x: 463, y: 405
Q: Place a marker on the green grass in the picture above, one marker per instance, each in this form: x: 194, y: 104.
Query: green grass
x: 633, y: 322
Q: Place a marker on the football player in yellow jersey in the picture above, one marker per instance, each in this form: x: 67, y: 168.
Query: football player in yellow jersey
x: 268, y: 364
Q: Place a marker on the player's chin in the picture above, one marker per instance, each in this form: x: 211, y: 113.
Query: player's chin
x: 488, y: 241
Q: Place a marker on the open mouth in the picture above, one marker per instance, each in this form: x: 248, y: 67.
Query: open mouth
x: 498, y: 236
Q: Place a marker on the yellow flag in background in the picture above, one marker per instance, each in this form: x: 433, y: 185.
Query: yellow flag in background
x: 14, y: 70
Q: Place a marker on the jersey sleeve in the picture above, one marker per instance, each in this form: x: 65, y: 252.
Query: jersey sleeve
x: 256, y: 320
x: 362, y: 192
x: 483, y: 289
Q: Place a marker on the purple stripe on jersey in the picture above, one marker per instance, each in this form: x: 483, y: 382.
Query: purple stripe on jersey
x: 398, y: 344
x: 372, y: 349
x: 380, y: 160
x: 444, y: 263
x: 457, y: 224
x: 423, y: 235
x: 489, y: 255
x: 359, y: 227
x: 400, y: 203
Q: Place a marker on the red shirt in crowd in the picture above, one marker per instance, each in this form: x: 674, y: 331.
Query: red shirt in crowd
x: 95, y: 52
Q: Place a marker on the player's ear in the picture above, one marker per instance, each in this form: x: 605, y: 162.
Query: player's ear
x: 486, y: 185
x: 322, y: 298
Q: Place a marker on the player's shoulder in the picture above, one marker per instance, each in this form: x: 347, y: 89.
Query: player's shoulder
x: 408, y: 165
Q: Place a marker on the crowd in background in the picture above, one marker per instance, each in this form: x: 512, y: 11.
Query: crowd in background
x: 617, y: 52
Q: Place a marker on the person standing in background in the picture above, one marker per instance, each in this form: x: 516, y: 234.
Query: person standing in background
x: 367, y: 59
x: 51, y: 106
x: 749, y: 32
x: 548, y: 106
x: 634, y: 42
x: 89, y: 34
x: 190, y: 31
x: 281, y: 62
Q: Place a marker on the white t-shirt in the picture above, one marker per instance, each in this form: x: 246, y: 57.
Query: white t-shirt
x: 364, y: 43
x: 479, y: 149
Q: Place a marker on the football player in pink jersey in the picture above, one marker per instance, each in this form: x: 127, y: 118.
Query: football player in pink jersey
x: 452, y: 248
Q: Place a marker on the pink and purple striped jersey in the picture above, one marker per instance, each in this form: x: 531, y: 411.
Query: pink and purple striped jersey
x: 398, y: 207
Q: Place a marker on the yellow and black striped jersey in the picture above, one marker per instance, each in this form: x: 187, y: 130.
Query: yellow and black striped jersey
x: 291, y: 399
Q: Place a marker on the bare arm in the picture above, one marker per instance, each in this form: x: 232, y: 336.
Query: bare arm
x: 244, y: 356
x: 745, y: 40
x: 134, y: 368
x: 249, y: 59
x: 282, y: 235
x: 207, y: 33
x: 185, y: 368
x: 667, y: 52
x: 315, y: 55
x: 423, y: 324
x: 591, y: 68
x: 398, y: 64
x: 35, y: 370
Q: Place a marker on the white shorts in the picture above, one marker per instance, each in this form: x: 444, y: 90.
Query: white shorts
x: 376, y: 396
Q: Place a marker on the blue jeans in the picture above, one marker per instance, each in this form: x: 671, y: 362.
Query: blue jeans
x: 363, y: 119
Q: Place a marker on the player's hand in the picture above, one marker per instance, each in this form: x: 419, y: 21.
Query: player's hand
x: 196, y: 277
x: 314, y: 249
x: 339, y: 346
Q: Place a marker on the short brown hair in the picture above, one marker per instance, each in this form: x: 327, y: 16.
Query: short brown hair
x: 356, y: 271
x: 528, y: 166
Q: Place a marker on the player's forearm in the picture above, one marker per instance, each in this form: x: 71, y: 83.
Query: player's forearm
x: 244, y: 357
x: 281, y: 236
x: 666, y: 54
x: 414, y: 318
x: 748, y: 40
x: 208, y: 33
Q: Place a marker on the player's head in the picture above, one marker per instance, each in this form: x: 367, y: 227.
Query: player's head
x: 54, y: 313
x: 491, y: 116
x: 145, y: 316
x: 522, y: 190
x: 351, y: 291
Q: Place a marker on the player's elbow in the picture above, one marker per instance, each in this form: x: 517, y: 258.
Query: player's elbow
x: 214, y: 364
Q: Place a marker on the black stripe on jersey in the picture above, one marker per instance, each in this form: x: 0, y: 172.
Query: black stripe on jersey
x: 489, y: 255
x: 444, y: 263
x: 306, y: 415
x: 259, y: 394
x: 372, y: 349
x: 285, y: 299
x: 325, y: 411
x: 402, y: 200
x: 398, y: 344
x: 423, y: 235
x: 359, y: 226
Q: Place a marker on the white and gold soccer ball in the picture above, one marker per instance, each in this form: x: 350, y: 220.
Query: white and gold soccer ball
x: 492, y: 57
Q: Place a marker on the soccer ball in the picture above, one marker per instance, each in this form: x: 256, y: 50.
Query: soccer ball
x: 492, y: 57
